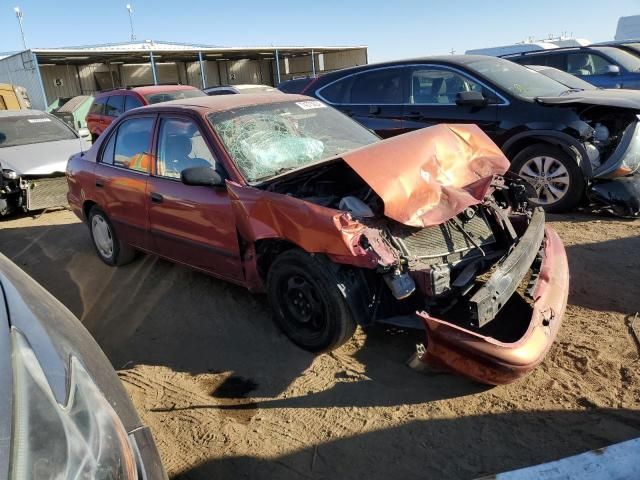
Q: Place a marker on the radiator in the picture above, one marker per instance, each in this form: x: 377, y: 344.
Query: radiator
x: 47, y: 193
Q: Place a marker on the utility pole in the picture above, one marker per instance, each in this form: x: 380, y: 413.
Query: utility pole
x: 19, y: 17
x: 130, y: 10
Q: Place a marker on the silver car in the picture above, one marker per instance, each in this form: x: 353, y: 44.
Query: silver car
x: 63, y: 410
x: 34, y: 149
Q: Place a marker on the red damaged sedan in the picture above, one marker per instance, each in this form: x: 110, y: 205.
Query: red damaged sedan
x: 288, y: 196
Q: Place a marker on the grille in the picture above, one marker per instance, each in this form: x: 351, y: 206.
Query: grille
x: 445, y: 239
x: 47, y: 193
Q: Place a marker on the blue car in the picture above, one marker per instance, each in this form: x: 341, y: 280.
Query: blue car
x: 602, y: 66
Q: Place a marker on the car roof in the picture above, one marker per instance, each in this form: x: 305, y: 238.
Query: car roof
x: 161, y: 88
x: 222, y: 103
x: 145, y: 90
x: 21, y: 113
x: 533, y: 53
x: 458, y: 60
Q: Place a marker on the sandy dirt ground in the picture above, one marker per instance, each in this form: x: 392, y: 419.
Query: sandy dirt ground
x: 228, y: 396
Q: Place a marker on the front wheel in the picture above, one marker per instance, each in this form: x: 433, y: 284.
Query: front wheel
x: 555, y: 176
x: 307, y: 304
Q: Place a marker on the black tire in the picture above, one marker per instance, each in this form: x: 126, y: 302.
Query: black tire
x: 322, y: 320
x: 552, y: 156
x: 121, y: 253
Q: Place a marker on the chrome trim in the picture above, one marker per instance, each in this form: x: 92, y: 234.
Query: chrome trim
x: 438, y: 66
x: 124, y: 169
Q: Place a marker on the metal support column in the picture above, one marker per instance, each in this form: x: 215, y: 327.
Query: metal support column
x: 202, y: 74
x: 313, y: 63
x: 277, y: 68
x: 153, y: 68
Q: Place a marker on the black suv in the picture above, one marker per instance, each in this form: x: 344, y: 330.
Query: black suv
x: 565, y: 141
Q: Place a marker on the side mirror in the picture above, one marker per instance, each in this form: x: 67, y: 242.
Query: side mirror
x: 84, y: 133
x: 472, y: 99
x: 201, y: 176
x: 613, y: 69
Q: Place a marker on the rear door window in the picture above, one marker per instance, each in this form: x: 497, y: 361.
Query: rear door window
x: 131, y: 102
x: 558, y: 60
x: 131, y: 145
x: 114, y: 106
x: 378, y: 87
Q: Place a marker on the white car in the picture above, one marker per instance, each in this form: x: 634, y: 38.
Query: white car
x: 34, y: 149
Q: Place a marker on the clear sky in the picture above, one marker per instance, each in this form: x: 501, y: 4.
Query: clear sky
x: 391, y: 29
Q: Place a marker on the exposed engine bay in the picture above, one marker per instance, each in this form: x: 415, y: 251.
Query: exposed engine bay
x: 440, y: 269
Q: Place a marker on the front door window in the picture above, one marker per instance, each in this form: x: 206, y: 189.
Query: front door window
x: 438, y: 86
x: 180, y: 146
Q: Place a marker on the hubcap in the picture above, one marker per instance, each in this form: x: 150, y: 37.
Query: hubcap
x: 301, y: 303
x: 102, y: 236
x: 549, y: 178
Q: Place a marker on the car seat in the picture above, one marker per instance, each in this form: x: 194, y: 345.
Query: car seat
x: 454, y: 86
x: 580, y: 65
x: 176, y: 156
x: 437, y: 90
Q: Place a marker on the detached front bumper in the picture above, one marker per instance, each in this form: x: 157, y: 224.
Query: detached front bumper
x: 488, y: 360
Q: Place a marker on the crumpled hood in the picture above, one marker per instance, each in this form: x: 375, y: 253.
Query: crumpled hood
x: 611, y: 97
x: 428, y: 176
x: 40, y: 158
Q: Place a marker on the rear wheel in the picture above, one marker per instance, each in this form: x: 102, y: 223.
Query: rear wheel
x: 307, y: 303
x: 555, y: 176
x: 109, y: 247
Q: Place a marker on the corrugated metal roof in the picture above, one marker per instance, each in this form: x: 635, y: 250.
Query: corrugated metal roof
x: 158, y: 46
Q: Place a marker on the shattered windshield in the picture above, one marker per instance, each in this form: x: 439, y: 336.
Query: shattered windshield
x: 266, y: 140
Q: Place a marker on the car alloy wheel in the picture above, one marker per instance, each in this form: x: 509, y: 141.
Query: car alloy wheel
x: 102, y: 236
x: 549, y: 178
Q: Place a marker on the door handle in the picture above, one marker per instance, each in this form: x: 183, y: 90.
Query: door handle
x: 374, y: 110
x: 99, y: 183
x: 413, y: 116
x: 156, y: 197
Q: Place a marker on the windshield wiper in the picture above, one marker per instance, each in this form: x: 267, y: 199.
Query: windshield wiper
x: 275, y: 173
x: 572, y: 90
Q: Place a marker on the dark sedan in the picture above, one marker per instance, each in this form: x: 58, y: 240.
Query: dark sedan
x: 564, y: 141
x: 63, y: 410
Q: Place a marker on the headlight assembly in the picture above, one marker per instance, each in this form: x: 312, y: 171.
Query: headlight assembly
x: 82, y: 439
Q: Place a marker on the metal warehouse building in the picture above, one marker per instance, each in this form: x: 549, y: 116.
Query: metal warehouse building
x: 49, y: 73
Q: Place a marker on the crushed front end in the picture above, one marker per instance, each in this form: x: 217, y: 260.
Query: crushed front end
x: 427, y: 230
x: 489, y: 285
x: 613, y: 152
